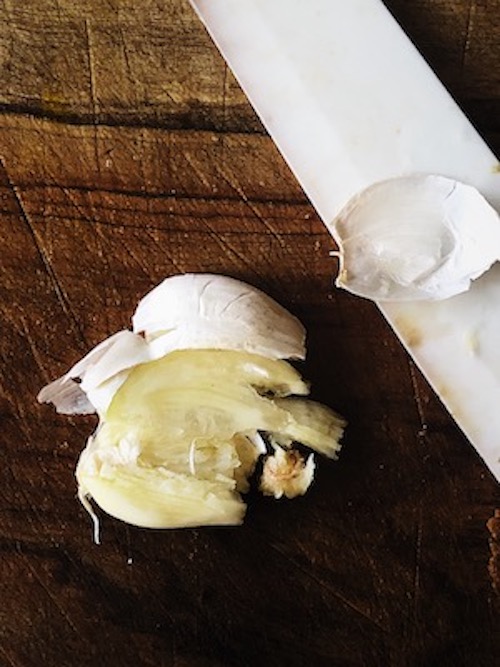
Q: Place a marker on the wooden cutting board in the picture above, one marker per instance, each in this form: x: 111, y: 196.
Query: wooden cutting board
x: 128, y: 153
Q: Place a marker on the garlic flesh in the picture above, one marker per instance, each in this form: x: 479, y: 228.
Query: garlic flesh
x: 193, y: 418
x: 416, y: 237
x: 190, y: 401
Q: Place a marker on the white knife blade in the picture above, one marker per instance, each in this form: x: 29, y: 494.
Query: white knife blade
x: 349, y: 101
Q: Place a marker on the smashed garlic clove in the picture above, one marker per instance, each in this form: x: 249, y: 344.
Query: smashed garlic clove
x: 199, y: 310
x: 415, y: 237
x: 196, y: 412
x: 181, y: 430
x: 286, y: 473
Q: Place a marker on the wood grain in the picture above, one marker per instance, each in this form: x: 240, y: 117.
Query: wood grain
x: 129, y: 153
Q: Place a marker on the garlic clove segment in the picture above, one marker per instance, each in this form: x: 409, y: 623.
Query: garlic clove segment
x: 200, y: 310
x: 416, y: 237
x: 158, y: 498
x: 199, y: 414
x: 195, y: 396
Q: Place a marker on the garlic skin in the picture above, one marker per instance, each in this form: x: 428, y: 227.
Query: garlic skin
x: 418, y: 237
x: 189, y: 402
x: 199, y: 310
x: 92, y: 382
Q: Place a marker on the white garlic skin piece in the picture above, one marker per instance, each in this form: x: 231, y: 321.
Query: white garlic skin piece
x: 92, y: 382
x: 202, y: 310
x: 419, y: 237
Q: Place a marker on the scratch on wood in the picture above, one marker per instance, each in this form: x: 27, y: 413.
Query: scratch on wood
x: 99, y: 234
x: 125, y: 55
x: 199, y: 172
x: 93, y: 90
x: 61, y: 295
x: 224, y: 101
x: 174, y: 262
x: 322, y: 584
x: 142, y: 152
x: 91, y: 64
x: 228, y: 248
x: 234, y: 185
x: 14, y: 399
x: 34, y: 349
x: 493, y: 526
x: 10, y: 661
x: 110, y: 273
x: 133, y: 256
x: 468, y: 33
x: 49, y: 593
x: 418, y: 559
x: 69, y: 195
x: 20, y: 490
x: 418, y: 401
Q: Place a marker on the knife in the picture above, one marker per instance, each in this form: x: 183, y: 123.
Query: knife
x: 349, y: 101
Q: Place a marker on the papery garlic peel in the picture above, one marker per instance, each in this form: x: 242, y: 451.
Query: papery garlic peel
x: 190, y: 401
x: 418, y: 237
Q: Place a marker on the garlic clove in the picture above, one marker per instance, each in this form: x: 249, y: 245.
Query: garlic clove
x: 415, y: 237
x: 197, y: 414
x: 188, y: 404
x: 198, y: 310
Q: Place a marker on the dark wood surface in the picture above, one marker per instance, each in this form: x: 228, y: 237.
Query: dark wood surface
x: 128, y: 153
